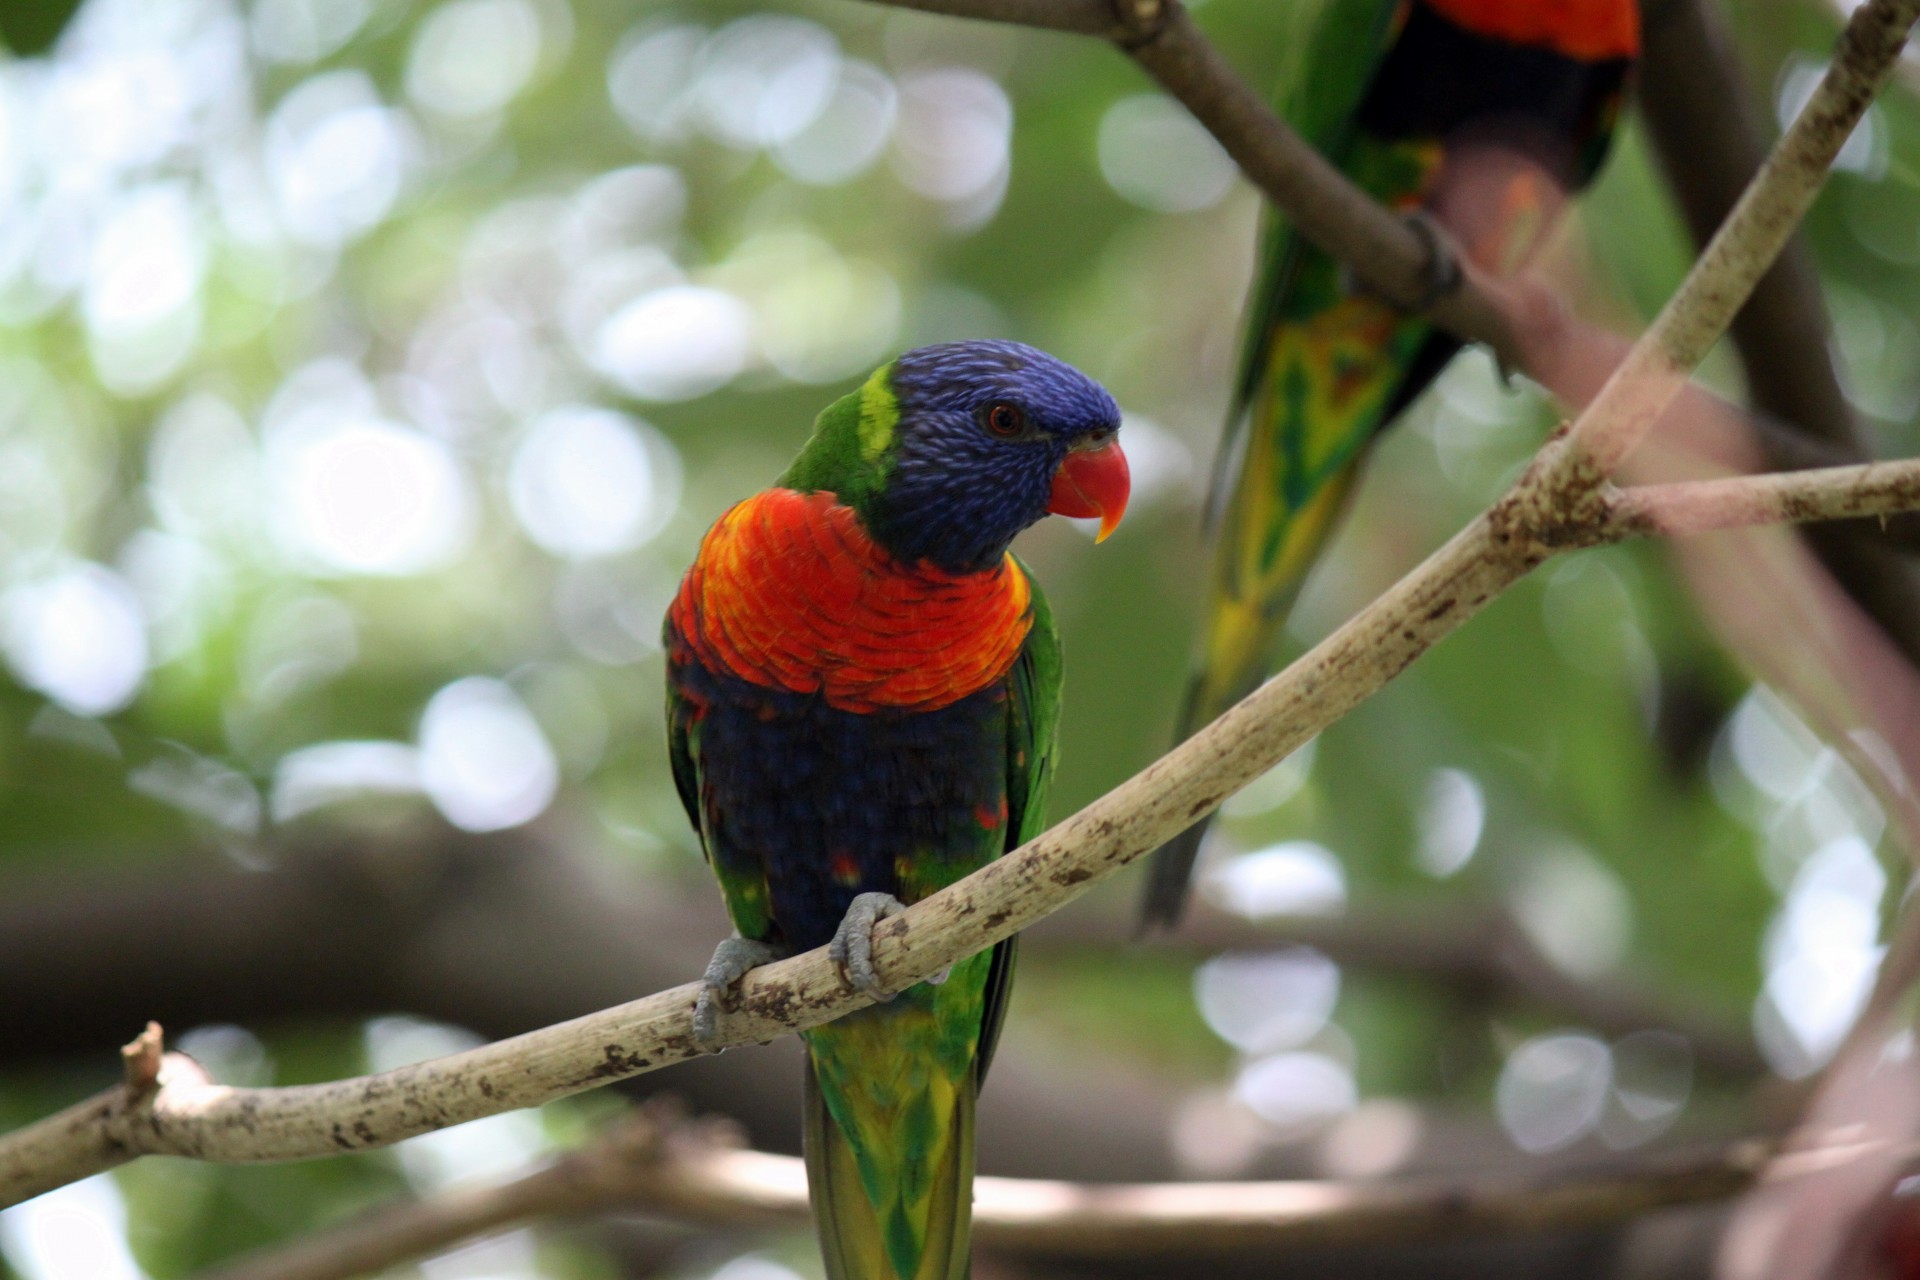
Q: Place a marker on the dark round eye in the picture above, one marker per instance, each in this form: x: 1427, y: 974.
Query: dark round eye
x: 1005, y: 419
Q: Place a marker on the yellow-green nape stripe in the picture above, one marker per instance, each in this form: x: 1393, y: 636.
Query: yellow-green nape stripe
x: 879, y: 411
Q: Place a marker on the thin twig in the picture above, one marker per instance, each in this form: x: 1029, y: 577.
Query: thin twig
x: 642, y: 1167
x: 1704, y: 121
x: 1701, y: 117
x: 1390, y: 257
x: 1699, y: 506
x: 1642, y: 386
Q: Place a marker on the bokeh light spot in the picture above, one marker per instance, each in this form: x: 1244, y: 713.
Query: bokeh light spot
x: 1156, y: 155
x: 1821, y: 953
x: 1573, y: 907
x: 1297, y: 1092
x: 848, y: 134
x: 336, y: 158
x: 650, y: 80
x: 953, y: 138
x: 591, y: 482
x: 1553, y: 1089
x: 1453, y: 813
x: 77, y: 637
x: 471, y: 57
x: 77, y: 1232
x: 483, y: 760
x: 765, y: 78
x: 142, y: 297
x: 676, y: 343
x: 1298, y: 877
x: 1267, y: 1002
x: 367, y: 496
x: 328, y: 773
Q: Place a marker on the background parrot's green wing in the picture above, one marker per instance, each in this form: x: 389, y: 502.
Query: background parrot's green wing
x: 1327, y: 73
x: 1322, y: 370
x: 1033, y: 721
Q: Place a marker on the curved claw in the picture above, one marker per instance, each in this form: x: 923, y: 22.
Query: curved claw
x: 1443, y: 265
x: 852, y: 945
x: 731, y: 961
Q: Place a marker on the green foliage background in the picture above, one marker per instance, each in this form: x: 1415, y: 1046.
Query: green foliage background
x: 1589, y: 709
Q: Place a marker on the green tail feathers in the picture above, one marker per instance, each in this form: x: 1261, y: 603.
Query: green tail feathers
x: 889, y: 1133
x: 1264, y: 548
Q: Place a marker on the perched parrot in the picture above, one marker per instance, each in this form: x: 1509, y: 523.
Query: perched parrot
x: 1476, y: 115
x: 862, y: 689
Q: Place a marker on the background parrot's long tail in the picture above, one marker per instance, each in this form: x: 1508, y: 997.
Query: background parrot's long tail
x: 1255, y: 584
x: 889, y: 1146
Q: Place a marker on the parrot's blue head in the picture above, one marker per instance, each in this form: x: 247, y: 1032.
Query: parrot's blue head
x: 983, y: 439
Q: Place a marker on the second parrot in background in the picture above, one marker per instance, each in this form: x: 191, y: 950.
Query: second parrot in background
x: 1480, y: 115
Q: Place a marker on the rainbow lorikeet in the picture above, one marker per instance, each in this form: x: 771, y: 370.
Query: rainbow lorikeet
x: 1477, y: 115
x: 862, y: 690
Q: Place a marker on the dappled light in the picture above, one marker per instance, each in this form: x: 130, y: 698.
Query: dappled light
x: 483, y: 759
x: 1294, y: 878
x: 1553, y: 1089
x: 78, y: 1231
x: 369, y: 374
x: 1262, y: 1003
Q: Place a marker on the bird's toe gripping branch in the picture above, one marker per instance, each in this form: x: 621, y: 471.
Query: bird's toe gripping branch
x: 731, y: 961
x: 852, y: 945
x: 1441, y: 277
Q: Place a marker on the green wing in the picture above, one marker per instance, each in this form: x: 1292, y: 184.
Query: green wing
x: 1033, y: 723
x: 1321, y: 372
x: 743, y: 885
x: 1322, y: 84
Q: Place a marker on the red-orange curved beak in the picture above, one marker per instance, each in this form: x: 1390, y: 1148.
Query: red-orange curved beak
x: 1093, y: 482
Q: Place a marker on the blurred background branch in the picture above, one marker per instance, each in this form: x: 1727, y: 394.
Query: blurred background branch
x: 652, y: 1165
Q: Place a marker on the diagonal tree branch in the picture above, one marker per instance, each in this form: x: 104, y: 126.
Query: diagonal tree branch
x: 1702, y: 119
x: 1654, y: 372
x: 687, y: 1177
x: 1711, y: 141
x: 192, y: 1118
x: 187, y: 1115
x: 1781, y: 333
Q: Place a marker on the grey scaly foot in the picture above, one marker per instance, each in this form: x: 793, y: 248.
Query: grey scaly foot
x: 731, y: 961
x: 852, y: 945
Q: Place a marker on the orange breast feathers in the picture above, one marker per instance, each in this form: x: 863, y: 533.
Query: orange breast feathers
x: 1590, y: 30
x: 789, y: 592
